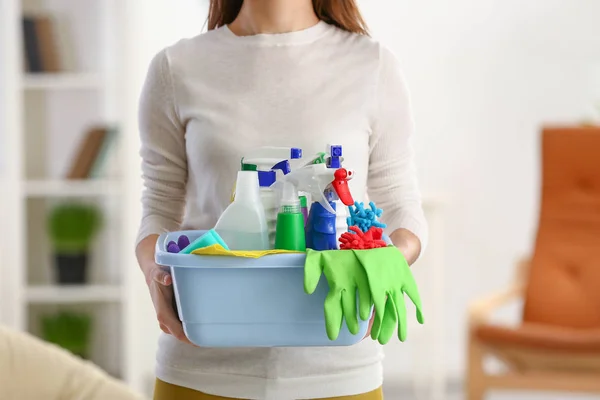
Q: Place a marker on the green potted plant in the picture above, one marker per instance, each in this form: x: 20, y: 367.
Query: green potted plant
x: 72, y: 228
x: 68, y: 330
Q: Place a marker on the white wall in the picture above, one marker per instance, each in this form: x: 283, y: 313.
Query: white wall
x: 484, y: 75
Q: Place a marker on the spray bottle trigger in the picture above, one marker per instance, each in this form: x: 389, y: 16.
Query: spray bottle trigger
x: 323, y: 200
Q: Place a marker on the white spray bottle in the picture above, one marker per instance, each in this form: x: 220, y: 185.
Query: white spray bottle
x: 271, y: 163
x: 243, y: 224
x: 325, y: 182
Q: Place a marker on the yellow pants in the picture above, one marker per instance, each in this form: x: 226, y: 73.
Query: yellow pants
x: 166, y: 391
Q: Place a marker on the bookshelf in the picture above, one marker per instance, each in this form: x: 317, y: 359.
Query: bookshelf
x: 62, y: 81
x: 47, y: 107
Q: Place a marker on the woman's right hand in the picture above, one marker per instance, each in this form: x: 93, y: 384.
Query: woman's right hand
x: 160, y: 285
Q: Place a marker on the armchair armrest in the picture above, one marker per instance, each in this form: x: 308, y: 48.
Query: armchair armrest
x: 481, y: 309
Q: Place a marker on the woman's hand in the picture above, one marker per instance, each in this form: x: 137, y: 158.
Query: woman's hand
x: 160, y: 285
x: 408, y: 244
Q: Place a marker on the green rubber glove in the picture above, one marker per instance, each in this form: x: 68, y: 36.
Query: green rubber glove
x: 345, y: 275
x: 389, y: 277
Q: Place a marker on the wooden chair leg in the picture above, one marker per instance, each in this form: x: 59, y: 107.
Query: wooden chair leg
x: 476, y: 386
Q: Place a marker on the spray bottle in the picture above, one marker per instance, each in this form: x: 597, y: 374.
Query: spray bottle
x: 243, y: 224
x: 271, y: 163
x: 290, y: 220
x: 325, y: 185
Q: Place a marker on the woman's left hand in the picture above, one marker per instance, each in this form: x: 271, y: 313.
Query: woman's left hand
x: 408, y: 244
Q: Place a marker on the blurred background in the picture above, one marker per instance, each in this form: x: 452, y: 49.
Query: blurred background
x: 486, y: 78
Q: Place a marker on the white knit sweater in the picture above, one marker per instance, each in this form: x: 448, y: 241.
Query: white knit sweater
x: 209, y: 99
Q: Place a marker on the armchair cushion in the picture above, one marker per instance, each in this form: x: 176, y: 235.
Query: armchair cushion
x: 542, y: 337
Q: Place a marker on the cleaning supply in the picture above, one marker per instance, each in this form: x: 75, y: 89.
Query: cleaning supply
x: 183, y: 241
x: 172, y: 247
x: 318, y: 181
x: 325, y: 185
x: 334, y: 152
x: 365, y: 218
x: 356, y: 239
x: 271, y: 163
x: 321, y: 232
x: 209, y: 238
x: 243, y: 224
x: 321, y: 229
x: 345, y: 277
x: 389, y: 277
x: 290, y: 221
x: 175, y: 247
x: 218, y: 250
x: 304, y: 208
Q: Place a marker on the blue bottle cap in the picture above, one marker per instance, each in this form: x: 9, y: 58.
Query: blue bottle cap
x: 336, y: 150
x: 296, y: 153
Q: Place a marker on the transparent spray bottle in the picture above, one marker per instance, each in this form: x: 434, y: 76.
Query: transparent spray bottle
x: 271, y: 163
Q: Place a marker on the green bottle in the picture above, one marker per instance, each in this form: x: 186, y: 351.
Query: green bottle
x: 289, y: 233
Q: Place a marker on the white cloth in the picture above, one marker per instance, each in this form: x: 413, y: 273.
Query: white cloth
x: 209, y: 99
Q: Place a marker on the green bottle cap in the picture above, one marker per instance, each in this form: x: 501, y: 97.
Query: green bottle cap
x: 303, y: 202
x: 248, y: 167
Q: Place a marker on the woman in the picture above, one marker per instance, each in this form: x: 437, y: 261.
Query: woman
x: 289, y: 73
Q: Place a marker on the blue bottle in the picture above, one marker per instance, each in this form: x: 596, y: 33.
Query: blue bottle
x: 321, y: 231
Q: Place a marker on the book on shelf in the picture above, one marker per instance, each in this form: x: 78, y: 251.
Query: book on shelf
x: 40, y: 46
x: 92, y: 153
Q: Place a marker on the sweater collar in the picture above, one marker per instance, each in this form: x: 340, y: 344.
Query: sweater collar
x: 307, y: 35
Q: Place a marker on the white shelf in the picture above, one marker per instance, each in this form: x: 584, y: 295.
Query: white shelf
x: 55, y: 294
x: 70, y: 188
x: 62, y: 81
x: 102, y: 64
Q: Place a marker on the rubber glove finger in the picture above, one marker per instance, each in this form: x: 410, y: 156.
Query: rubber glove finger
x: 350, y: 310
x: 379, y: 301
x: 313, y: 268
x: 333, y: 314
x: 401, y: 310
x: 390, y: 320
x: 376, y: 327
x: 412, y: 291
x: 365, y: 301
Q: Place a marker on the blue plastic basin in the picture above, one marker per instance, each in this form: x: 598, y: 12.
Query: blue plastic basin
x: 241, y: 302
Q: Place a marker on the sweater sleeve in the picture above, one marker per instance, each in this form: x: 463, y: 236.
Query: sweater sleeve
x: 163, y: 152
x: 392, y: 180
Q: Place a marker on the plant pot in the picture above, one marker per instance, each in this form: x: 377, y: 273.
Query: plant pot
x: 71, y: 268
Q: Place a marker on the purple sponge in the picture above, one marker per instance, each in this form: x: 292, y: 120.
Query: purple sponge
x: 172, y: 247
x: 183, y: 242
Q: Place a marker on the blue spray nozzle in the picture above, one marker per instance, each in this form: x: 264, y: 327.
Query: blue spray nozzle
x: 334, y: 162
x: 283, y: 166
x: 296, y: 153
x: 266, y: 178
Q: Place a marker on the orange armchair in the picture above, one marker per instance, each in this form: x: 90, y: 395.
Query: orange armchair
x: 557, y: 345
